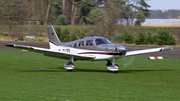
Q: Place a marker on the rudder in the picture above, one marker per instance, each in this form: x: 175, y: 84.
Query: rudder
x: 53, y: 38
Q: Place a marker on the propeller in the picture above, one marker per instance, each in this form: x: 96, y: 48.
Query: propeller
x: 127, y: 61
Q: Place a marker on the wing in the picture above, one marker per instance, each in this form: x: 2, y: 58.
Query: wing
x: 51, y: 53
x: 137, y: 52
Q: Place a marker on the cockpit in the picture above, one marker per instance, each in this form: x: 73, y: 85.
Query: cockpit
x: 89, y: 43
x: 100, y: 41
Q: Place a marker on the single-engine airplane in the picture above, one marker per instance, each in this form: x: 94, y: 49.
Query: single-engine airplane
x: 91, y: 48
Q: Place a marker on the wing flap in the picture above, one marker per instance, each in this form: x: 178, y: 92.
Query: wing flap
x: 137, y: 52
x: 51, y: 53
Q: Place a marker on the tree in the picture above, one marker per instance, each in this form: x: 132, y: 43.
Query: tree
x: 94, y: 16
x: 62, y: 20
x: 140, y: 18
x: 73, y: 11
x: 112, y: 17
x: 85, y: 7
x: 131, y: 7
x: 49, y: 3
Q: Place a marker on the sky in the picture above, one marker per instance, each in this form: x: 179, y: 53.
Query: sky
x: 164, y: 4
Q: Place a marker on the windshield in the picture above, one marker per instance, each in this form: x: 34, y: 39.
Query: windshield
x: 102, y: 41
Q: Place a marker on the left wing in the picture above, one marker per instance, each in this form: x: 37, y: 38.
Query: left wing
x: 137, y: 52
x: 51, y: 53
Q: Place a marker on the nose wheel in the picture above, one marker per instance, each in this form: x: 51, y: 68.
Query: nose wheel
x: 114, y: 72
x: 112, y: 67
x: 69, y: 70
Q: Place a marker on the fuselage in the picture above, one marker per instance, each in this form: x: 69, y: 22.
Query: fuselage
x: 98, y: 47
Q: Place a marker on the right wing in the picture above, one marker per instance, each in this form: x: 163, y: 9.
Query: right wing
x: 51, y: 53
x: 137, y: 52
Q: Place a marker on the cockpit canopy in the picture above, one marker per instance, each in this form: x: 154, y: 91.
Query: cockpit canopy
x: 100, y: 41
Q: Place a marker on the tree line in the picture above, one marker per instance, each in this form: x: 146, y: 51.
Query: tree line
x: 167, y: 14
x: 71, y: 12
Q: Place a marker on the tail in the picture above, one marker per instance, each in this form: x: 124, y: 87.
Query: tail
x: 53, y: 38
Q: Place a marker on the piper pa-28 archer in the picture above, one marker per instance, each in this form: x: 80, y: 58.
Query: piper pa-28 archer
x: 91, y: 48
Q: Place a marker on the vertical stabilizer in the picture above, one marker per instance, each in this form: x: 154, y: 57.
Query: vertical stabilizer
x: 53, y: 38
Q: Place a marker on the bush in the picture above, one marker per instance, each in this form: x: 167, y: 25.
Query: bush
x: 128, y: 38
x: 165, y: 38
x: 148, y: 39
x: 58, y: 32
x: 73, y: 36
x: 154, y: 39
x: 21, y: 37
x: 82, y: 35
x: 65, y: 35
x: 140, y: 38
x: 62, y: 20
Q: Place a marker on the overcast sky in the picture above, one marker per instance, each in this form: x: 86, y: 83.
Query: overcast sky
x: 164, y: 4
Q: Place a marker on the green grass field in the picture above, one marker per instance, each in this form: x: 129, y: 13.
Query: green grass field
x: 27, y: 76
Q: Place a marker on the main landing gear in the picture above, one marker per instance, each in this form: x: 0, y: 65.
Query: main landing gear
x: 69, y: 66
x: 111, y: 66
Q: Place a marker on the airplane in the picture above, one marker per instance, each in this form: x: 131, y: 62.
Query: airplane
x: 90, y: 48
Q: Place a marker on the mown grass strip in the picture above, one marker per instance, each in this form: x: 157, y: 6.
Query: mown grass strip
x: 31, y: 77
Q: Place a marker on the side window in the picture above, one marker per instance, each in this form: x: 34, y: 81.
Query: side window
x: 81, y: 43
x: 98, y: 41
x: 89, y: 42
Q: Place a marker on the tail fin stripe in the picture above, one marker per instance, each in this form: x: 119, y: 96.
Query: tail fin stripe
x: 53, y: 36
x: 53, y: 43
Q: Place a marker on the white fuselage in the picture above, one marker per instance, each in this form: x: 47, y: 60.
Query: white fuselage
x: 98, y: 55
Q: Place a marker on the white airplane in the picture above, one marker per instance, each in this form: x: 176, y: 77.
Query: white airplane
x: 91, y: 48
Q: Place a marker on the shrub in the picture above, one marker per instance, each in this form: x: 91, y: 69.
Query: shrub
x: 62, y: 20
x: 73, y: 36
x: 58, y: 32
x: 82, y: 35
x: 165, y: 38
x: 21, y: 37
x: 140, y: 38
x: 148, y: 39
x: 154, y: 39
x: 61, y: 34
x: 128, y: 38
x: 65, y: 34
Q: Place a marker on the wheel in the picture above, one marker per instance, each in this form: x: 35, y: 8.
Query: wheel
x: 114, y: 72
x: 69, y: 70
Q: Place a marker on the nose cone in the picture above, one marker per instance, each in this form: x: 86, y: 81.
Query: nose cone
x: 122, y: 49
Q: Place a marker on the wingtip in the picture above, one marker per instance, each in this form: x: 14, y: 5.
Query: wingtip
x: 166, y: 48
x: 10, y: 45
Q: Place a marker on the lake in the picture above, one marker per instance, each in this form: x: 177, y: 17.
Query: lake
x: 151, y: 21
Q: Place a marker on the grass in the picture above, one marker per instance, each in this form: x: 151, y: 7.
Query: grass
x: 27, y: 76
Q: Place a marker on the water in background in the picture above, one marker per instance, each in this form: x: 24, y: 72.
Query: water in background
x: 151, y: 21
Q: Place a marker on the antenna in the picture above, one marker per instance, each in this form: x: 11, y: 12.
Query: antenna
x: 76, y: 36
